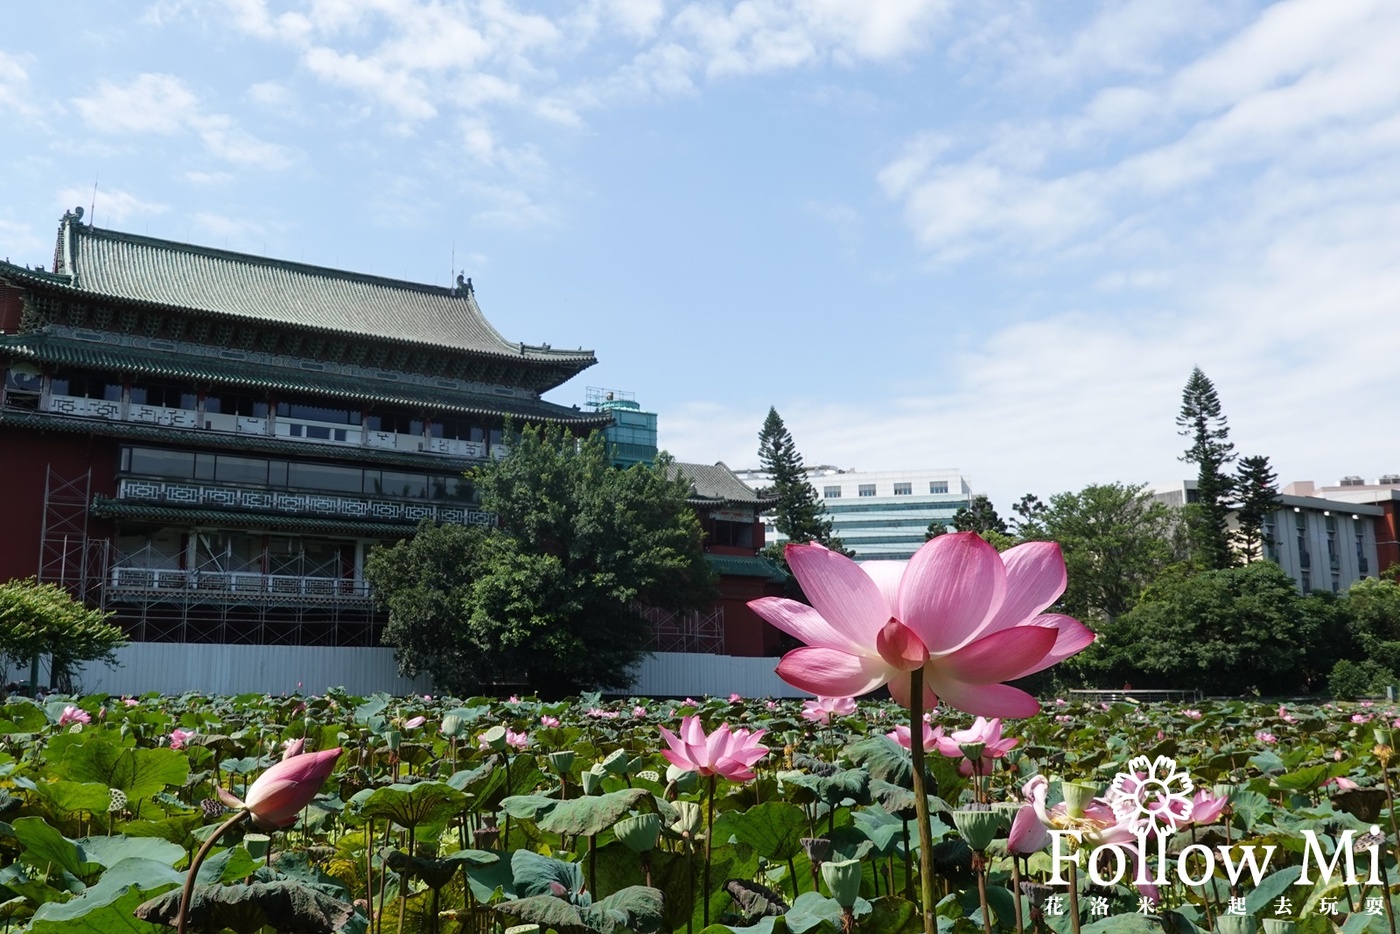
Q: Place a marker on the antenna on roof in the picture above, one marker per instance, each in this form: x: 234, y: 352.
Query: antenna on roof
x: 92, y: 211
x: 451, y: 271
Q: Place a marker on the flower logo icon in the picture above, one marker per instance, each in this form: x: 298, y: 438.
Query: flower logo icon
x: 1151, y: 795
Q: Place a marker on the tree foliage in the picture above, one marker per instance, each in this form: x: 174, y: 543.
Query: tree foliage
x: 44, y: 619
x: 1235, y: 629
x: 552, y: 597
x: 1256, y: 486
x: 979, y: 516
x: 799, y: 514
x: 1202, y: 421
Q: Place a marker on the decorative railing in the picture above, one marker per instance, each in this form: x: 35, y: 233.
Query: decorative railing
x: 175, y: 493
x: 140, y: 581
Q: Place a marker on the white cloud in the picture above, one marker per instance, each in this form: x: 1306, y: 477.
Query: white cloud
x: 14, y: 86
x: 207, y: 178
x: 20, y: 244
x: 111, y: 206
x: 237, y: 230
x: 162, y: 105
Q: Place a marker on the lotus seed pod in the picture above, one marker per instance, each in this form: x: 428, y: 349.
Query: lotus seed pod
x: 256, y: 844
x: 843, y: 880
x: 617, y: 762
x: 978, y: 828
x: 684, y: 780
x: 212, y: 808
x: 118, y: 800
x: 592, y: 782
x: 639, y: 834
x: 452, y: 725
x: 973, y: 751
x: 1077, y: 797
x: 690, y: 818
x: 494, y: 738
x: 561, y: 762
x: 392, y: 738
x: 649, y: 775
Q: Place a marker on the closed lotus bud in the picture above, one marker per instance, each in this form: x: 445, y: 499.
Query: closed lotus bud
x: 561, y: 762
x: 1077, y: 797
x: 843, y: 880
x: 639, y: 834
x: 978, y: 828
x: 617, y: 762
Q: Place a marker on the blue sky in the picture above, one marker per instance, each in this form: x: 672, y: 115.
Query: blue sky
x: 990, y: 235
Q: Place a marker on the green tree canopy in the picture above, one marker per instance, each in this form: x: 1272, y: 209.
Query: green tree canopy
x: 1202, y: 421
x: 979, y: 516
x: 799, y: 514
x: 1256, y: 485
x: 553, y: 597
x: 44, y: 619
x: 1232, y: 629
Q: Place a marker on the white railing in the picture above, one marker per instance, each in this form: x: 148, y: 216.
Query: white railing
x: 176, y: 493
x: 238, y: 583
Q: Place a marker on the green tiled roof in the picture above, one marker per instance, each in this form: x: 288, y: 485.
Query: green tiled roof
x: 716, y: 484
x: 109, y: 263
x: 45, y: 348
x: 233, y: 519
x: 188, y: 438
x: 742, y: 566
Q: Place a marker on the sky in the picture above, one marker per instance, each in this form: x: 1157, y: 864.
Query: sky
x: 992, y: 235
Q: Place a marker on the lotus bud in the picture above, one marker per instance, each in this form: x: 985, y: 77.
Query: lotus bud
x: 843, y: 880
x: 617, y: 762
x: 972, y: 751
x: 1077, y: 797
x: 392, y: 738
x: 561, y: 762
x: 1279, y: 926
x: 494, y: 738
x: 639, y: 834
x: 256, y: 844
x: 592, y: 782
x: 1236, y: 924
x: 978, y: 828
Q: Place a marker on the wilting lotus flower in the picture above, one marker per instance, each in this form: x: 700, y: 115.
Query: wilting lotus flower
x: 73, y: 714
x: 1028, y: 834
x: 725, y: 752
x: 983, y: 732
x: 279, y: 794
x: 902, y: 733
x: 822, y: 709
x: 971, y: 618
x: 179, y: 737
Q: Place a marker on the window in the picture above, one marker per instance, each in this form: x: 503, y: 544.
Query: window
x: 1300, y: 523
x: 460, y: 429
x: 317, y: 413
x: 1306, y: 580
x: 903, y: 489
x: 23, y: 382
x: 1363, y: 567
x: 395, y: 422
x: 87, y: 387
x: 164, y: 395
x: 867, y: 489
x: 831, y: 492
x: 232, y: 403
x: 154, y: 462
x: 938, y: 486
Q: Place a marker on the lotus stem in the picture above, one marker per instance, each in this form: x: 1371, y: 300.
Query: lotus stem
x: 979, y: 866
x: 916, y: 751
x: 187, y: 894
x: 1016, y: 892
x: 1074, y: 896
x: 709, y: 840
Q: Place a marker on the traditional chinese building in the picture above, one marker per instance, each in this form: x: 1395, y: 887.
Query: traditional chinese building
x: 207, y: 442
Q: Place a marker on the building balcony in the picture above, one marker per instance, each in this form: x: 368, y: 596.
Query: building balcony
x: 187, y: 494
x: 144, y: 584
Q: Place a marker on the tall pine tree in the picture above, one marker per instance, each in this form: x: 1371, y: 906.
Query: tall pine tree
x: 799, y: 514
x: 1256, y: 486
x: 1201, y: 420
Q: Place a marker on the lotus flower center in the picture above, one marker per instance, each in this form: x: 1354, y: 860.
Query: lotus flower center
x: 900, y: 646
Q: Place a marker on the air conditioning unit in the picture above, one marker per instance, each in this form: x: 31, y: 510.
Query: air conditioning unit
x: 1393, y: 478
x: 1353, y: 481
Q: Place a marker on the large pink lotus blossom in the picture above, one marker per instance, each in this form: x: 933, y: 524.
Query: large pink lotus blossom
x: 280, y: 793
x: 725, y: 752
x: 902, y: 733
x: 73, y: 714
x: 971, y: 618
x: 822, y: 709
x: 1098, y: 824
x: 984, y: 731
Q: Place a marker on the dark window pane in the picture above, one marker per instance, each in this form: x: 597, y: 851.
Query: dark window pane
x: 324, y: 477
x: 251, y: 470
x: 158, y: 463
x: 406, y: 485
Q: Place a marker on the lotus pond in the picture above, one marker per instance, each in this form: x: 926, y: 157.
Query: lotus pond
x: 482, y: 815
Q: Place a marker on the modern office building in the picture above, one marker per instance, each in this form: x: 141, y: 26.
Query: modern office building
x: 1383, y: 494
x: 880, y: 514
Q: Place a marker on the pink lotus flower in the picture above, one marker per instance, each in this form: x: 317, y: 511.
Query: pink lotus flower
x: 1028, y: 833
x: 822, y: 709
x: 280, y: 793
x: 983, y: 731
x: 599, y: 713
x: 1192, y: 714
x: 1060, y: 702
x: 932, y: 736
x: 734, y: 698
x: 513, y: 699
x: 771, y: 705
x: 73, y: 714
x: 1285, y: 716
x: 1265, y: 737
x: 971, y: 618
x: 179, y: 737
x: 1360, y: 718
x: 414, y: 723
x: 517, y: 740
x: 725, y: 752
x: 1206, y: 808
x: 549, y: 722
x: 1064, y: 718
x: 639, y: 711
x: 1098, y: 823
x: 131, y: 702
x: 1341, y: 782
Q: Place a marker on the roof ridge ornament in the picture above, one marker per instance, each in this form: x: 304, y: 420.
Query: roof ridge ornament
x: 464, y: 284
